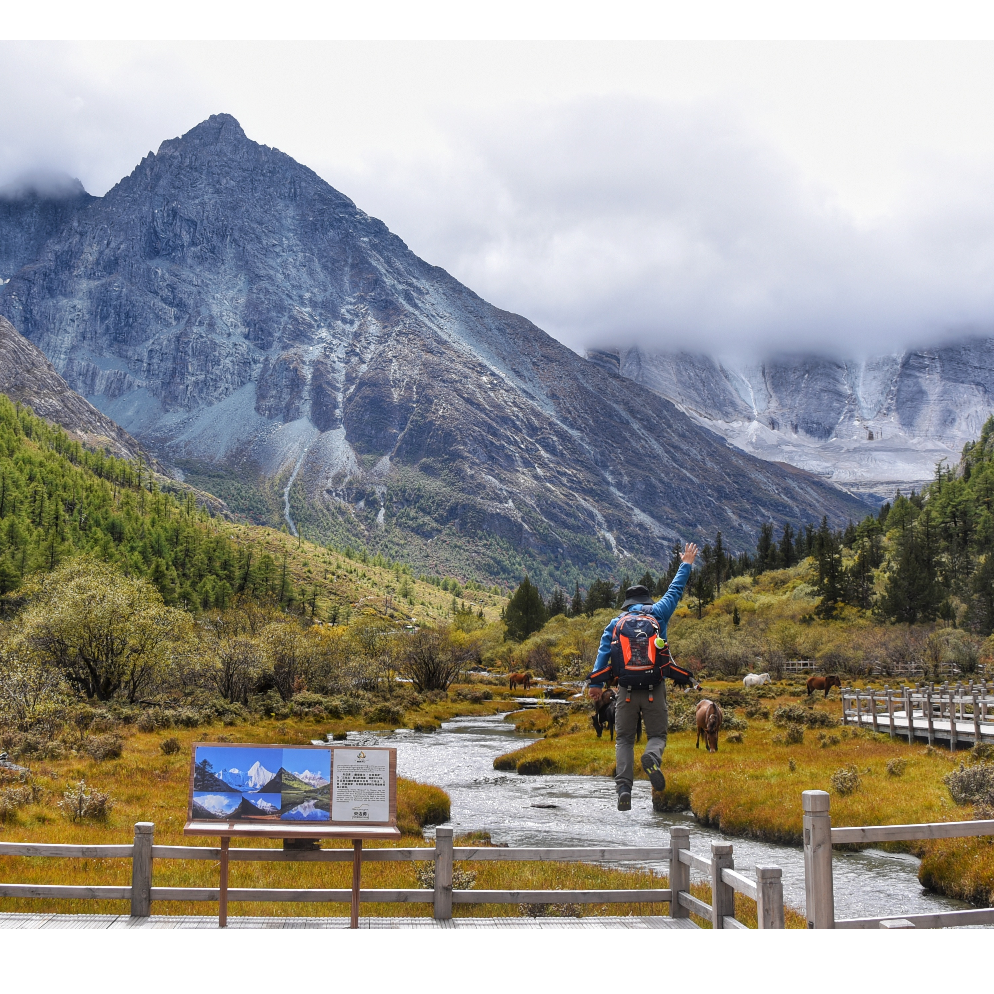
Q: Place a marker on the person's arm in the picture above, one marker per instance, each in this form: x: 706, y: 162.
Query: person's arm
x: 667, y: 604
x: 602, y: 668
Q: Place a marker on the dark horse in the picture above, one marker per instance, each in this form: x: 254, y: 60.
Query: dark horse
x: 603, y: 716
x: 823, y: 683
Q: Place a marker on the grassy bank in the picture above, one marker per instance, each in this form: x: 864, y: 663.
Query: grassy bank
x: 752, y: 787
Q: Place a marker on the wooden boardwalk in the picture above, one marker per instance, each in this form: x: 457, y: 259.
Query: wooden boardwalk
x: 962, y: 716
x: 34, y: 920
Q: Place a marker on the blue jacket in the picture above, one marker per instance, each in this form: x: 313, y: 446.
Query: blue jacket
x: 662, y: 611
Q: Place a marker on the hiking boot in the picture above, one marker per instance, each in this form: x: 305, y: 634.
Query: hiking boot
x: 655, y: 774
x: 624, y: 801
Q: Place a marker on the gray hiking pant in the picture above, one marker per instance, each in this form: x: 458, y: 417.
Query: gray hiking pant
x: 626, y: 715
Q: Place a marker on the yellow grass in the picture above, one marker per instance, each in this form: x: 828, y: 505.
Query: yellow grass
x: 147, y: 785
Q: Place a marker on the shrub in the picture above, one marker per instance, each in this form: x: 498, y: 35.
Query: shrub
x: 461, y: 879
x: 846, y: 780
x: 735, y: 737
x: 733, y: 723
x: 797, y: 714
x: 79, y: 804
x: 567, y: 910
x: 385, y: 713
x: 828, y: 740
x: 169, y: 746
x: 145, y: 723
x: 757, y: 710
x: 101, y: 747
x: 474, y: 696
x: 896, y: 767
x: 983, y: 750
x: 793, y: 735
x: 972, y: 784
x: 339, y: 736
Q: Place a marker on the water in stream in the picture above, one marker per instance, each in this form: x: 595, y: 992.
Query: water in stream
x: 580, y: 811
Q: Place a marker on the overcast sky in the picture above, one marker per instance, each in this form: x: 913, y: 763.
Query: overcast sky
x: 734, y: 197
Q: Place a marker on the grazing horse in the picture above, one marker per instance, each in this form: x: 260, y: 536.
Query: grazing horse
x: 708, y: 724
x: 823, y: 683
x: 755, y: 679
x: 523, y: 680
x: 603, y: 716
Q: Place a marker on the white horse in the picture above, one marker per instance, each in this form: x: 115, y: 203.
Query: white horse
x: 756, y: 679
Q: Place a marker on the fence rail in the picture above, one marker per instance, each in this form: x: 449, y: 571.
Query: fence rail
x: 819, y: 836
x: 766, y: 890
x: 962, y: 713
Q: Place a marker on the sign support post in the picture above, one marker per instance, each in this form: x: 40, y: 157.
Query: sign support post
x: 222, y: 897
x: 356, y: 879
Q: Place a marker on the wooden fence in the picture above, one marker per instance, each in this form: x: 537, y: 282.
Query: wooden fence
x: 819, y: 836
x: 908, y: 670
x: 766, y: 890
x: 961, y: 713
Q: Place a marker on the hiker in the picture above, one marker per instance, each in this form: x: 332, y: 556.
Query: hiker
x: 634, y: 652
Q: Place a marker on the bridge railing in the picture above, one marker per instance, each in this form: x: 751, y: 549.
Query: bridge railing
x: 963, y: 713
x: 766, y: 890
x: 819, y: 837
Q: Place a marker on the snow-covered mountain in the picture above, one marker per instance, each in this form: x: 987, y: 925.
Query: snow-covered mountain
x: 314, y: 779
x: 256, y: 777
x: 218, y: 804
x: 870, y: 425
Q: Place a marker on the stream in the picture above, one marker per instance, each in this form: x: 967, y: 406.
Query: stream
x: 557, y: 810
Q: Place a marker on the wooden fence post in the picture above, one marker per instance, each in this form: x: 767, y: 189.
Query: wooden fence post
x: 929, y: 717
x: 909, y: 709
x: 443, y: 873
x: 679, y: 872
x: 141, y: 870
x: 769, y: 896
x: 953, y: 730
x: 722, y: 894
x: 818, y: 892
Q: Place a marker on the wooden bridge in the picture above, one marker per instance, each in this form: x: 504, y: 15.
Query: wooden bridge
x: 718, y: 867
x: 960, y: 714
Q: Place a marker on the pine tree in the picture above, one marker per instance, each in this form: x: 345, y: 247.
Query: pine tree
x: 576, y: 607
x: 557, y: 603
x: 913, y: 593
x: 525, y: 612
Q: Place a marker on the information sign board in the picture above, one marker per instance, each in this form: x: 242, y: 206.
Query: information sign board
x: 239, y: 789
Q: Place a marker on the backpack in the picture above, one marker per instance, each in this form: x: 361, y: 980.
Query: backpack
x: 636, y: 661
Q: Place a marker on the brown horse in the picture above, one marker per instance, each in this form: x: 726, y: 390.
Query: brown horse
x: 825, y: 683
x: 708, y: 724
x: 523, y: 680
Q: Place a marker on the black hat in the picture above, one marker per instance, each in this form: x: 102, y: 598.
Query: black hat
x: 637, y: 595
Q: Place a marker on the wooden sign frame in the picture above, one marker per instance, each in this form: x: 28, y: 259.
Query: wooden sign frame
x: 274, y: 828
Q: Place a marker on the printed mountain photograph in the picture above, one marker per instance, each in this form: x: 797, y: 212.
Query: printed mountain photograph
x: 260, y: 783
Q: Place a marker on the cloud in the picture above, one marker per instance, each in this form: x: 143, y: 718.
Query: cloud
x: 670, y: 211
x: 620, y: 220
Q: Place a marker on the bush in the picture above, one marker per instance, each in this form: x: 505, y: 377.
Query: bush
x: 734, y: 737
x: 733, y: 723
x: 797, y: 714
x: 972, y: 784
x: 79, y: 804
x: 846, y: 781
x: 101, y: 747
x: 896, y: 767
x: 828, y: 740
x: 757, y: 710
x: 385, y: 713
x: 169, y: 746
x: 793, y: 735
x: 474, y: 696
x: 461, y: 879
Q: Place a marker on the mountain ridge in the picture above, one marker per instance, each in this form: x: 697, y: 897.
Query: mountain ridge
x: 250, y: 324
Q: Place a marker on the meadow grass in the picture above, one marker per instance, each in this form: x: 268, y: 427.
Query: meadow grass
x: 147, y: 785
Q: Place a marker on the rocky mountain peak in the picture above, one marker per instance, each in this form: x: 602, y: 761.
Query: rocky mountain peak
x: 244, y: 319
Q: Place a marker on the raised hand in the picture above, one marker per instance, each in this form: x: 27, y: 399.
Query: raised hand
x: 689, y: 553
